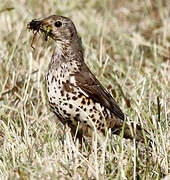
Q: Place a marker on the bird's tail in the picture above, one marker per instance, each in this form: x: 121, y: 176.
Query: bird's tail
x: 130, y: 131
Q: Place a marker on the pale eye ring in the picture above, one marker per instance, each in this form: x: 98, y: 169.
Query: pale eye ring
x: 58, y: 24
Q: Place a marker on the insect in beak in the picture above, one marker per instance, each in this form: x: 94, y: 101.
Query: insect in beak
x: 34, y: 25
x: 47, y: 31
x: 37, y: 26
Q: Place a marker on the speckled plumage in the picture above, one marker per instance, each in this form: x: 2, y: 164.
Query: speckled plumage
x: 75, y: 95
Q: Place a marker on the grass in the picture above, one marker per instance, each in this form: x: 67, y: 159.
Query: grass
x: 127, y: 45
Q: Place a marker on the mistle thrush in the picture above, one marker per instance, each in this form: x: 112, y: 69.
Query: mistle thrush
x: 75, y: 95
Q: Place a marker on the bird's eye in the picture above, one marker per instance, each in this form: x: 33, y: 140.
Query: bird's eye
x: 58, y: 23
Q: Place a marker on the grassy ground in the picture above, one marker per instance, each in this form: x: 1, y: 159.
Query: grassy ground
x: 127, y: 46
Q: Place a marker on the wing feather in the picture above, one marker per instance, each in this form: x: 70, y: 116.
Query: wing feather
x: 91, y: 86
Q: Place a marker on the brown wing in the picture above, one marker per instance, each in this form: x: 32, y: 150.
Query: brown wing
x: 92, y: 87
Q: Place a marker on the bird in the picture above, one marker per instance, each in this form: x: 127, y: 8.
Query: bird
x: 75, y: 95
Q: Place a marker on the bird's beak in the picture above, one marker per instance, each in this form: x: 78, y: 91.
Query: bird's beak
x: 47, y: 30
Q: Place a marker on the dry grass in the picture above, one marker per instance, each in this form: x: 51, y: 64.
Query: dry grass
x: 127, y: 46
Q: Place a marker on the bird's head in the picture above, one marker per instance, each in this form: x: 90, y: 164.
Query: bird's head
x: 59, y: 28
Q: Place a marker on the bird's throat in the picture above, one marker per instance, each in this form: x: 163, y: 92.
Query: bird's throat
x: 67, y: 51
